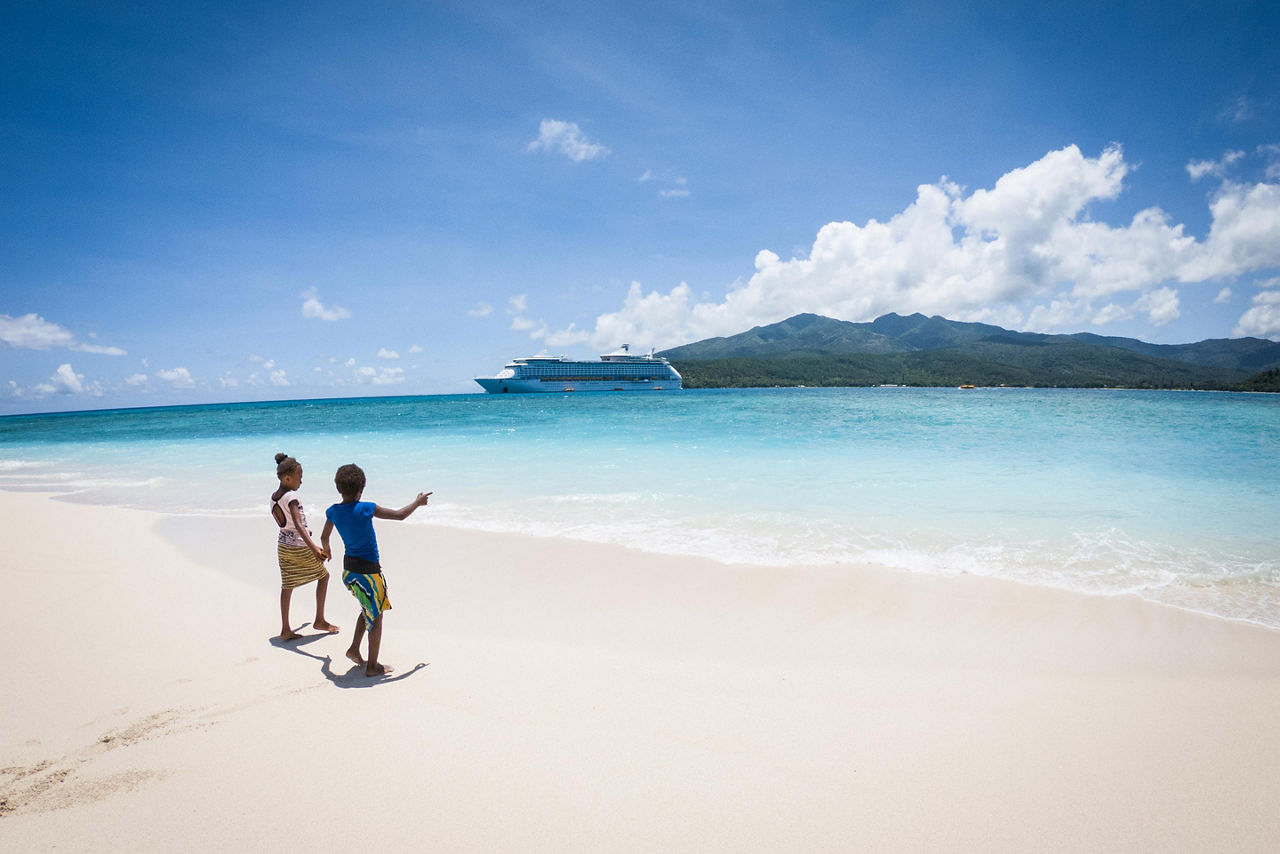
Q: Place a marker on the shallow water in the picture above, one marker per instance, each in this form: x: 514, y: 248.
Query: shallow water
x: 1171, y: 495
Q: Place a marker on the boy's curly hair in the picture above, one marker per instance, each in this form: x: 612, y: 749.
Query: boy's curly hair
x: 349, y: 480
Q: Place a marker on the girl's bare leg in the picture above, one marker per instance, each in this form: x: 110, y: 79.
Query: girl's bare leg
x: 322, y: 590
x: 286, y: 631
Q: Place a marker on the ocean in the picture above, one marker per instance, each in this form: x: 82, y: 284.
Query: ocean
x: 1173, y: 496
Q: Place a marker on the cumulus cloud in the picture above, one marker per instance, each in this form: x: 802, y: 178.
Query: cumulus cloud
x: 67, y: 380
x: 1244, y: 236
x: 1263, y: 318
x: 482, y: 309
x: 1197, y: 169
x: 177, y: 378
x: 1023, y: 253
x: 312, y: 308
x: 137, y: 381
x: 1224, y: 296
x: 32, y: 332
x: 384, y: 353
x: 1161, y: 305
x: 568, y: 139
x: 379, y: 376
x: 416, y: 349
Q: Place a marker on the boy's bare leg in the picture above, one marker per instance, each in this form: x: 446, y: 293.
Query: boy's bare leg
x: 373, y: 668
x: 286, y: 631
x: 353, y: 651
x: 322, y: 590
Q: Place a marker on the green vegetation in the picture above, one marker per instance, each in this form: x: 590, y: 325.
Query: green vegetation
x: 1265, y: 381
x: 918, y: 351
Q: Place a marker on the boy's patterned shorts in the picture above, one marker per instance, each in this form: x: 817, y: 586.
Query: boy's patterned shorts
x: 371, y: 592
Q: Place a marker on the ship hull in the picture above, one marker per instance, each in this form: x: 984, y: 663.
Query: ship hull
x: 494, y: 385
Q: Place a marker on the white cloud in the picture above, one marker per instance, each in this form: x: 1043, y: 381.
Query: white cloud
x: 518, y: 304
x: 64, y: 381
x: 384, y: 353
x: 379, y: 376
x: 67, y: 380
x: 1197, y: 169
x: 1272, y: 153
x: 1244, y: 236
x: 416, y: 349
x: 1025, y: 251
x: 137, y: 380
x: 1110, y: 313
x: 482, y: 309
x: 1239, y: 110
x: 312, y: 308
x: 679, y: 191
x: 278, y: 378
x: 566, y: 138
x: 1161, y: 305
x: 177, y: 378
x: 1059, y: 314
x: 32, y: 332
x: 1224, y: 296
x: 1263, y: 319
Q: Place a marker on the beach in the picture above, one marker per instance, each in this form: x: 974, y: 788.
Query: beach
x: 554, y: 695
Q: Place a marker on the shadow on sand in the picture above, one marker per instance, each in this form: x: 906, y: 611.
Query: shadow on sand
x: 353, y: 676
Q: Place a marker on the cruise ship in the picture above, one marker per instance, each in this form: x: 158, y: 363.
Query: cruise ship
x: 616, y: 371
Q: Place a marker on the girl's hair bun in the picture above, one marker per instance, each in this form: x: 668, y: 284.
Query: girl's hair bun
x: 281, y: 458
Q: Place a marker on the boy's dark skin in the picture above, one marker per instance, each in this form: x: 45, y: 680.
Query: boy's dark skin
x: 371, y: 667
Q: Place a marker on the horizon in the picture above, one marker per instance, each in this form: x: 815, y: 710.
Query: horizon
x: 222, y: 203
x: 478, y: 391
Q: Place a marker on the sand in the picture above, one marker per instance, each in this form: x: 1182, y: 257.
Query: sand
x: 551, y: 695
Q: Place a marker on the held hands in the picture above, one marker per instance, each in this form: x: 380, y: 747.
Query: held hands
x: 322, y: 554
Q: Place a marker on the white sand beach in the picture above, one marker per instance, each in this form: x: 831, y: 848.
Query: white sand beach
x: 552, y: 695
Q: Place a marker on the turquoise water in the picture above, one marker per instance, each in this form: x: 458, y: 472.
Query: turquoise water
x: 1173, y: 496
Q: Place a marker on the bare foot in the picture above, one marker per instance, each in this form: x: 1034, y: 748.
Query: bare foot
x: 289, y: 635
x: 355, y: 657
x: 377, y: 670
x: 326, y: 626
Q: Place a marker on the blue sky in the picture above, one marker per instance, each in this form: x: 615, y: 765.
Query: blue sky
x: 224, y: 201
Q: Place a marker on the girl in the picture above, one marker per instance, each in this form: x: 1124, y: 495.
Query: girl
x: 300, y: 558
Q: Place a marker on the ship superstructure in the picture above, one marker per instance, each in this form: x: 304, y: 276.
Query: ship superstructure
x: 616, y: 371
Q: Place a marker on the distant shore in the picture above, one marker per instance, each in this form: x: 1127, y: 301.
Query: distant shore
x: 558, y: 695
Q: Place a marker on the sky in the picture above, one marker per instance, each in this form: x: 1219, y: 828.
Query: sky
x: 206, y: 202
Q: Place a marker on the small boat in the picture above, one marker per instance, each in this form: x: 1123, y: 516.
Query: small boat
x: 967, y: 385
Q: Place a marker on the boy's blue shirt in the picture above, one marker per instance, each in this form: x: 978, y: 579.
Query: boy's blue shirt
x: 354, y: 521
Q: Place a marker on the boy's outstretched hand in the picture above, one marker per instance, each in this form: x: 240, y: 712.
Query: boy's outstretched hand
x: 421, y: 500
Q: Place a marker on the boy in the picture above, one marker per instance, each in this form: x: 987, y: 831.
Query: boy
x: 362, y: 573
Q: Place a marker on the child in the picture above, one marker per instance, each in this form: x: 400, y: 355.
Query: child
x: 362, y: 573
x: 300, y: 558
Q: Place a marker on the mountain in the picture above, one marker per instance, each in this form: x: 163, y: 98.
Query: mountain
x: 809, y: 349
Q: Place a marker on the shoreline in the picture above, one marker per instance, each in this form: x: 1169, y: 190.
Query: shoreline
x: 231, y: 517
x: 559, y: 695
